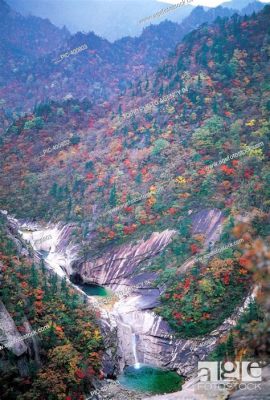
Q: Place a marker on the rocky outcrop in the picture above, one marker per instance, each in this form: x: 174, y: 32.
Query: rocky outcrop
x: 208, y: 223
x: 155, y: 342
x: 33, y: 345
x: 118, y: 270
x: 9, y: 335
x: 55, y: 241
x: 115, y: 266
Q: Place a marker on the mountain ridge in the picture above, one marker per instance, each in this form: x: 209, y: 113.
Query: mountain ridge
x: 125, y: 57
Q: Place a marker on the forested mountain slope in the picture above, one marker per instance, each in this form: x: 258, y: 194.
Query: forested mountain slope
x: 79, y: 15
x: 110, y: 162
x: 33, y: 71
x: 23, y: 40
x: 147, y: 195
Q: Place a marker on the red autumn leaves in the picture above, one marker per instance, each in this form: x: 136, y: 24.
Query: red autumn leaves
x: 129, y: 229
x: 226, y: 278
x: 226, y: 170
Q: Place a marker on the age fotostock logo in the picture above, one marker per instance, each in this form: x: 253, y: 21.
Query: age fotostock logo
x: 223, y: 374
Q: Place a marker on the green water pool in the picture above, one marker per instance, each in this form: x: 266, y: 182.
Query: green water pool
x: 94, y: 290
x: 150, y: 379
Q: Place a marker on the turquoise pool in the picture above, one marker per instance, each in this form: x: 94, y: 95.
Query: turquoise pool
x: 150, y: 379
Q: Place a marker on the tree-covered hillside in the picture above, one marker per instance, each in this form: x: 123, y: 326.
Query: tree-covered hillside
x: 161, y: 154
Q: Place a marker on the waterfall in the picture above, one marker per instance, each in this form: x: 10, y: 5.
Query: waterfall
x: 134, y: 349
x: 128, y: 342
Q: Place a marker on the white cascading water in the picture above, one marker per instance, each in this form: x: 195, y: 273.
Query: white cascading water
x: 47, y: 239
x: 134, y: 349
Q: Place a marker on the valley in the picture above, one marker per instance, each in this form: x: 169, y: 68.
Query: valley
x: 134, y: 204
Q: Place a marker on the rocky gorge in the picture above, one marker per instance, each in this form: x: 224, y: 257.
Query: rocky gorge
x: 143, y: 337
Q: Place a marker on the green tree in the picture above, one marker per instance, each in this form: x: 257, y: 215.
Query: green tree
x: 64, y: 285
x: 159, y: 145
x: 53, y: 191
x: 113, y: 198
x: 230, y: 348
x: 89, y: 166
x: 33, y: 277
x: 120, y: 110
x: 138, y: 178
x: 75, y: 139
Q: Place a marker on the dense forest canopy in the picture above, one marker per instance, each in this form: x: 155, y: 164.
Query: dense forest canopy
x: 134, y: 138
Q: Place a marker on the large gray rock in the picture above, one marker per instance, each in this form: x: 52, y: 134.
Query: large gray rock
x: 208, y: 223
x: 262, y: 392
x: 120, y: 263
x: 9, y: 335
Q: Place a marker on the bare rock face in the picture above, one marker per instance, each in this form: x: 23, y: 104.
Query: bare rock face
x: 9, y: 335
x: 117, y: 270
x: 119, y: 264
x: 209, y: 223
x: 55, y: 240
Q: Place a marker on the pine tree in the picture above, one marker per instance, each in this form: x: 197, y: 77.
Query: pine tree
x: 53, y: 283
x: 199, y: 81
x: 161, y: 90
x: 147, y: 84
x: 59, y: 195
x: 120, y: 110
x: 184, y: 113
x: 64, y: 285
x: 74, y: 301
x: 53, y: 191
x: 33, y: 277
x: 215, y: 106
x: 113, y: 198
x: 43, y: 268
x: 253, y: 313
x: 129, y: 198
x: 69, y: 207
x: 46, y: 289
x: 52, y: 337
x: 230, y: 349
x: 138, y: 178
